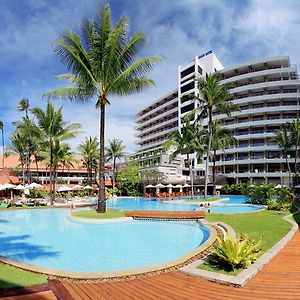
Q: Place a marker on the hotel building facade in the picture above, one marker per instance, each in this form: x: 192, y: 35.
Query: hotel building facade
x: 267, y: 91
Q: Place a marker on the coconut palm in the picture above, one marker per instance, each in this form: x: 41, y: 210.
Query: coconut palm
x: 2, y: 133
x: 18, y: 145
x: 114, y: 151
x: 24, y: 106
x: 52, y: 129
x: 295, y: 136
x: 285, y: 143
x: 102, y: 63
x: 90, y: 152
x: 186, y: 142
x: 213, y: 96
x: 221, y: 138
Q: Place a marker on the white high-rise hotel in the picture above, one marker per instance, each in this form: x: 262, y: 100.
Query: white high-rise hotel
x: 267, y: 91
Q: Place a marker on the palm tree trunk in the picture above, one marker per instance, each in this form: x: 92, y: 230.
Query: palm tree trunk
x: 191, y: 176
x: 214, y: 173
x: 207, y: 154
x: 2, y: 148
x: 101, y: 207
x: 51, y: 176
x: 113, y: 174
x: 289, y: 169
x: 37, y: 167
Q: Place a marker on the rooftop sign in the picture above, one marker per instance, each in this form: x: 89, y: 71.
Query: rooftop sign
x: 205, y: 54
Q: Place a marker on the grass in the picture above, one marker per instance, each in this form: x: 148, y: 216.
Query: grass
x: 268, y: 225
x: 11, y: 277
x: 212, y: 199
x: 92, y: 214
x: 208, y: 266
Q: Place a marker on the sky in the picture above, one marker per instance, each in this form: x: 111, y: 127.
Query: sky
x: 176, y: 31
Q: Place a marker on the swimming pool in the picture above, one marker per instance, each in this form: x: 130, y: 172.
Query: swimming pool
x: 229, y: 204
x: 47, y: 238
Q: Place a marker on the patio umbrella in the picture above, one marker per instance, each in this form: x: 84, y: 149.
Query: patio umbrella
x: 34, y: 185
x: 20, y: 187
x: 64, y: 188
x: 186, y: 185
x: 77, y: 187
x: 88, y: 187
x: 160, y: 185
x: 179, y: 186
x: 278, y: 186
x: 149, y: 186
x: 9, y: 186
x: 170, y: 186
x: 2, y: 187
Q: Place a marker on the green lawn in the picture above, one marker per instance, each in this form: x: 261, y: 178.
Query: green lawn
x: 11, y: 277
x: 212, y: 199
x: 266, y: 224
x: 92, y: 214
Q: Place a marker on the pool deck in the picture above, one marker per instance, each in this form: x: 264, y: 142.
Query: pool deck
x: 277, y: 280
x: 159, y: 214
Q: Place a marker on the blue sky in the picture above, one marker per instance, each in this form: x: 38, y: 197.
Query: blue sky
x: 176, y: 31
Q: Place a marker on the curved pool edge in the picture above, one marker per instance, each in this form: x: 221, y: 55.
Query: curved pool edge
x: 116, y: 274
x: 98, y: 221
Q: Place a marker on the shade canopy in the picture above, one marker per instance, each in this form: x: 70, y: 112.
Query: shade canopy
x: 170, y: 185
x: 88, y: 187
x: 9, y: 186
x: 77, y: 187
x: 2, y: 187
x: 178, y: 186
x: 149, y: 186
x: 186, y: 185
x: 34, y: 185
x: 278, y: 186
x: 160, y: 185
x: 64, y: 188
x: 20, y: 187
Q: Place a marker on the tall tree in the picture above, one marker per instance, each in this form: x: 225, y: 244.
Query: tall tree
x: 285, y: 143
x: 24, y: 106
x: 90, y: 152
x: 213, y: 97
x: 52, y: 129
x: 221, y: 138
x: 102, y: 63
x: 3, y: 150
x: 185, y: 142
x: 114, y: 151
x: 295, y: 136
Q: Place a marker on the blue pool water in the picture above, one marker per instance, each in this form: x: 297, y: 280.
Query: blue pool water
x: 47, y: 238
x: 230, y: 204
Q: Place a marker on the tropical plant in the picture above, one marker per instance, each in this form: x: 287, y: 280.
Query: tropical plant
x: 52, y: 129
x: 18, y: 145
x: 285, y: 143
x: 295, y: 137
x: 24, y: 106
x: 128, y: 180
x: 102, y: 63
x: 185, y: 142
x: 90, y: 152
x: 235, y: 189
x: 152, y: 177
x: 2, y: 133
x: 221, y: 138
x: 114, y: 151
x: 213, y: 96
x: 261, y: 193
x: 237, y: 253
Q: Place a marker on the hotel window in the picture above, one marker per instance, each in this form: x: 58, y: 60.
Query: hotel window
x: 199, y: 70
x: 188, y: 71
x: 187, y: 87
x: 187, y: 108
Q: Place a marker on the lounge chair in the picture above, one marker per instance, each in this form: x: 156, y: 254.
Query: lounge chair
x: 30, y: 202
x: 5, y: 205
x: 18, y: 203
x: 42, y: 202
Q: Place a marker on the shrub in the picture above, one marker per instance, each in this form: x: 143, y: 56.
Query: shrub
x: 261, y: 193
x: 237, y: 253
x: 38, y: 193
x: 235, y: 189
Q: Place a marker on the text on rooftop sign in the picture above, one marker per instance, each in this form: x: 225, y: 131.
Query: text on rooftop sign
x: 205, y: 54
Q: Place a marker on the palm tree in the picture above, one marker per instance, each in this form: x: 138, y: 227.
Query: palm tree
x: 185, y: 142
x: 2, y: 132
x: 114, y: 151
x: 102, y: 63
x: 18, y: 145
x: 90, y: 152
x: 295, y: 135
x: 52, y: 129
x: 221, y: 138
x: 24, y: 106
x: 285, y: 143
x: 213, y: 96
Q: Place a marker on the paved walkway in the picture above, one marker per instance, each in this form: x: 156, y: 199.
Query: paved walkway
x: 280, y: 279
